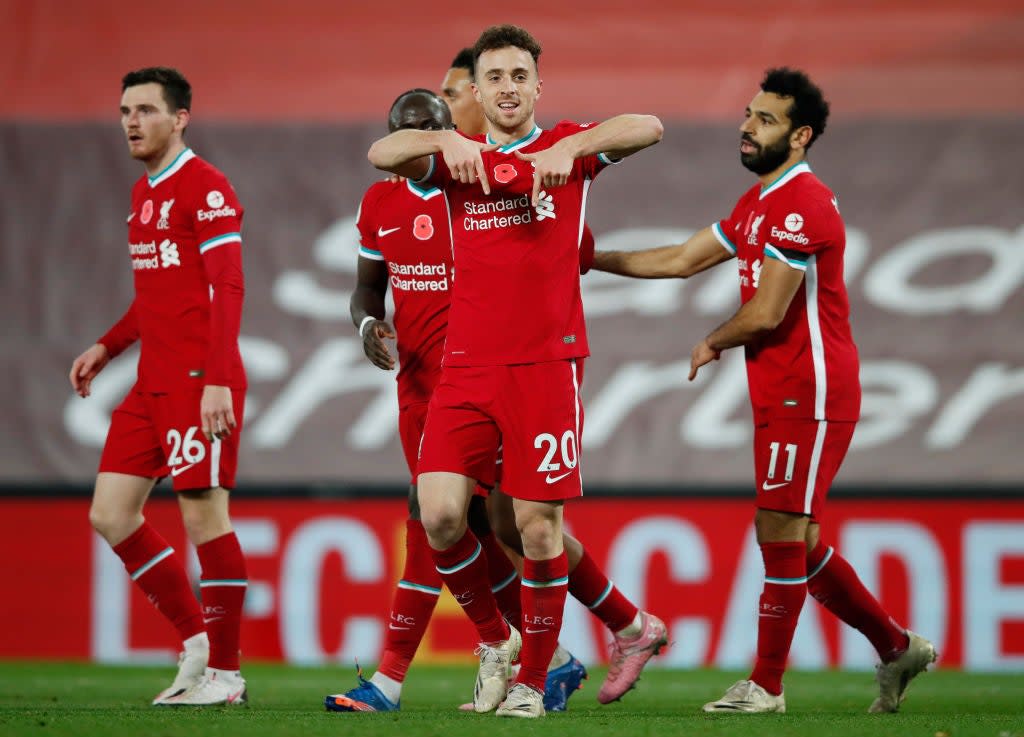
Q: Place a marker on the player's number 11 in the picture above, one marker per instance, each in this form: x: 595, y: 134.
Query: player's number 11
x: 790, y: 460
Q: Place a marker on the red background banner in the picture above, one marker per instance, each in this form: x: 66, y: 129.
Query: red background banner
x: 321, y: 575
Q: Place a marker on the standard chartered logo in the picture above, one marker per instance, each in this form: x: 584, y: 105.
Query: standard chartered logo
x: 149, y: 255
x: 485, y: 215
x: 169, y: 255
x: 545, y: 206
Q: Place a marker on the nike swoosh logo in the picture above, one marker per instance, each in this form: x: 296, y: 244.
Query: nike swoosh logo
x: 207, y: 620
x: 393, y: 627
x: 130, y: 218
x: 768, y: 487
x: 381, y: 232
x: 556, y: 479
x: 533, y: 632
x: 178, y: 470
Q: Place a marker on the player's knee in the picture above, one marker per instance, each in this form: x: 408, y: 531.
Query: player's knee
x: 540, y: 535
x: 203, y: 523
x: 99, y: 519
x: 113, y: 523
x: 443, y: 525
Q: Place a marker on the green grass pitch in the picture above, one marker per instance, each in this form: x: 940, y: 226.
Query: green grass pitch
x: 82, y: 699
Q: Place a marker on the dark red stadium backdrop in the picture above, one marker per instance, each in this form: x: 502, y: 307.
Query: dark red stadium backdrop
x: 321, y: 574
x: 259, y: 60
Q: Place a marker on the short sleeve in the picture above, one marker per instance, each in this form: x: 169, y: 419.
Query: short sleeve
x: 795, y: 232
x: 588, y: 166
x: 218, y: 213
x: 366, y: 223
x: 728, y: 230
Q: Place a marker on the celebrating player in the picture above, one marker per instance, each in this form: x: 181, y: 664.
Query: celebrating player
x: 512, y: 359
x: 788, y: 238
x: 406, y: 244
x: 183, y: 417
x: 636, y: 635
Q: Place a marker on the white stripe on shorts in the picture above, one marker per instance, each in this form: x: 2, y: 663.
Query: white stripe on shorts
x: 576, y: 409
x: 215, y: 463
x: 812, y: 471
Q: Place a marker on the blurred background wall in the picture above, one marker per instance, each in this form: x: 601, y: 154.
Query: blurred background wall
x: 923, y: 151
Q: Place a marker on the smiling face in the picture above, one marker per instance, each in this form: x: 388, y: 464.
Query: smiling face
x: 149, y: 124
x: 507, y: 86
x: 769, y: 141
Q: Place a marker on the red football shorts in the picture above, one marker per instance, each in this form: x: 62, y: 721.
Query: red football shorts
x: 795, y: 462
x: 533, y: 411
x: 156, y: 435
x: 411, y: 419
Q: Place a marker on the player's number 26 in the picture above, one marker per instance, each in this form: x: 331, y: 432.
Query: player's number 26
x: 186, y: 449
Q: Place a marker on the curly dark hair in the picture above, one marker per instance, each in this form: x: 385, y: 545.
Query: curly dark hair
x: 501, y: 37
x: 809, y: 106
x: 177, y: 90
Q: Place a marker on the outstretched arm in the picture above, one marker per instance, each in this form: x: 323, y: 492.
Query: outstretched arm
x: 700, y: 252
x: 616, y: 138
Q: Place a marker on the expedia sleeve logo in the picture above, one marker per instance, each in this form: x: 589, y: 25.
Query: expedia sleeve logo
x: 215, y: 200
x: 785, y: 235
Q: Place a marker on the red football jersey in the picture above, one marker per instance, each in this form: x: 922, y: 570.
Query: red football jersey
x: 183, y: 213
x: 406, y: 226
x: 516, y: 286
x: 807, y: 368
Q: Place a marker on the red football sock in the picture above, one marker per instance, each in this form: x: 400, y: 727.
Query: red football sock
x: 504, y: 580
x: 413, y: 604
x: 223, y: 587
x: 589, y: 586
x: 785, y: 588
x: 463, y: 567
x: 834, y: 583
x: 154, y: 567
x: 544, y: 588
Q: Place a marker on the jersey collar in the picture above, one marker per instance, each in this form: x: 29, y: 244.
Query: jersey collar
x: 424, y: 193
x: 521, y: 143
x: 791, y: 173
x: 171, y: 169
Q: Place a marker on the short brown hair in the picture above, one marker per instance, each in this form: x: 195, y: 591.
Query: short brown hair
x: 176, y: 89
x: 501, y: 37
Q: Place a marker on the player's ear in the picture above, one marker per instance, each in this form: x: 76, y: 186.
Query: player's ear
x: 801, y: 137
x: 540, y: 83
x: 182, y: 119
x: 476, y: 92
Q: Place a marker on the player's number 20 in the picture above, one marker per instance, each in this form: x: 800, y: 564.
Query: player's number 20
x: 187, y: 449
x: 567, y: 446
